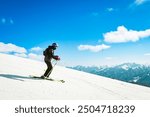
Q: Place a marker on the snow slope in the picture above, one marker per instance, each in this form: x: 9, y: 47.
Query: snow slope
x: 15, y: 83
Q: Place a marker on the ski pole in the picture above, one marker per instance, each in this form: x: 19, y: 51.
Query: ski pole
x: 55, y: 64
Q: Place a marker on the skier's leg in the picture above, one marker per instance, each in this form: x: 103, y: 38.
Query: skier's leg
x: 50, y: 70
x: 47, y: 72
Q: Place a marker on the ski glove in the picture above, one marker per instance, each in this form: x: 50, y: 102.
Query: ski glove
x: 57, y: 58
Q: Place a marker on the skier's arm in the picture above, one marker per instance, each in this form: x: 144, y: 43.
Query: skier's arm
x: 52, y: 55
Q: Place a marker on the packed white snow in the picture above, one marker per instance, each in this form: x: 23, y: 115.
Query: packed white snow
x: 16, y: 84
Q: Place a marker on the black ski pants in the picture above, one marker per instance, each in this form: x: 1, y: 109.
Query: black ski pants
x: 49, y: 68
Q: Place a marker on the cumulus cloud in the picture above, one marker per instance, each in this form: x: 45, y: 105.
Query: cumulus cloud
x: 8, y: 48
x: 21, y: 51
x: 35, y: 53
x: 96, y: 48
x: 21, y: 55
x: 124, y: 35
x: 35, y: 56
x: 36, y: 49
x: 110, y: 9
x: 139, y: 2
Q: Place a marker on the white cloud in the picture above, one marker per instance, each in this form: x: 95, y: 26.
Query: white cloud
x: 147, y: 54
x: 35, y: 56
x: 21, y: 55
x: 8, y: 48
x: 20, y: 51
x: 110, y: 9
x: 139, y: 2
x: 96, y: 48
x: 36, y: 49
x: 124, y: 35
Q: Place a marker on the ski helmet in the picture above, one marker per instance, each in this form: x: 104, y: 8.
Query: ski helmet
x: 55, y: 45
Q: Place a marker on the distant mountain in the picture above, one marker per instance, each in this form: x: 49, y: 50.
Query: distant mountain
x: 128, y: 72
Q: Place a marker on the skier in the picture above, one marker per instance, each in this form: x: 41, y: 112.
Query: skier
x: 49, y: 55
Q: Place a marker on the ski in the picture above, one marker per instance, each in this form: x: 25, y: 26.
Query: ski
x: 50, y: 79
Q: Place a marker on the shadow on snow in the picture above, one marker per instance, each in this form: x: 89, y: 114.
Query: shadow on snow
x: 15, y: 77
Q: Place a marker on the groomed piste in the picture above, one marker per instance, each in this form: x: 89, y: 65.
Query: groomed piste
x: 15, y: 83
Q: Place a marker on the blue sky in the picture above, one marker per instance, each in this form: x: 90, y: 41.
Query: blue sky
x: 89, y: 32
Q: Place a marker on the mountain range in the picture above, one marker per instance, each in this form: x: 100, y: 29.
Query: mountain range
x: 128, y: 72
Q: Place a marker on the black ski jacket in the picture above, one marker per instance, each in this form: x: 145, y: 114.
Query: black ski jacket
x: 49, y: 54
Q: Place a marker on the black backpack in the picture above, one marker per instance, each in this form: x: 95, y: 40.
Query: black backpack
x: 45, y: 52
